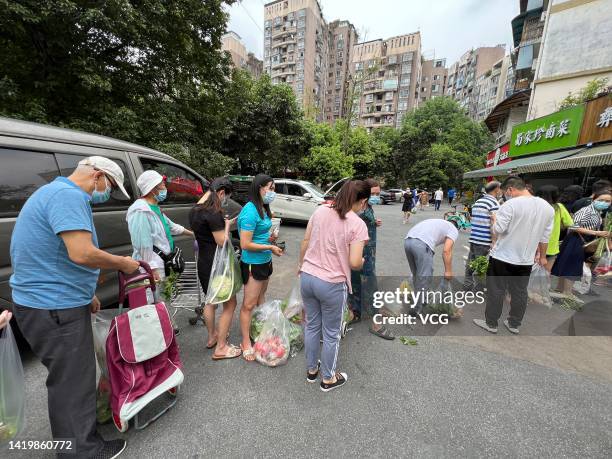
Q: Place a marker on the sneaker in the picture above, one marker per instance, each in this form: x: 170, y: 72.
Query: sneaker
x: 312, y: 378
x: 483, y: 324
x: 341, y: 379
x: 112, y: 449
x: 513, y: 330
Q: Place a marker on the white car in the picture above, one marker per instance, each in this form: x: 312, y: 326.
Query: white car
x: 296, y: 200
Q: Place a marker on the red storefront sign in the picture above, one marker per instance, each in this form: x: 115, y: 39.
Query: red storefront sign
x: 498, y: 156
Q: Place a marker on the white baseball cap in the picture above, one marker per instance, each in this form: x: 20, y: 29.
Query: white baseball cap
x: 148, y: 180
x: 109, y: 167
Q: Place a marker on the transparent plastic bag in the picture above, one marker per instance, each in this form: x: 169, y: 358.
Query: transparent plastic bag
x: 538, y: 288
x: 260, y: 315
x: 225, y: 280
x: 603, y: 269
x: 584, y: 284
x: 100, y: 323
x: 272, y: 345
x: 12, y: 387
x: 292, y: 306
x: 441, y: 304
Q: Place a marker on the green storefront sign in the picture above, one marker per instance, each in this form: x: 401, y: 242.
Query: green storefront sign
x: 553, y: 132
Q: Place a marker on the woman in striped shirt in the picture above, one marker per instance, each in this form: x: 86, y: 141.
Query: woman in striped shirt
x: 587, y: 224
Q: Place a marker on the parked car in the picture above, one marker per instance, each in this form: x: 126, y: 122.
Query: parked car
x: 32, y: 155
x: 387, y: 196
x: 296, y: 200
x: 398, y: 193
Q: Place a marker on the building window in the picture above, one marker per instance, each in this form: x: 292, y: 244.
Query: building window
x: 359, y: 66
x: 405, y: 81
x: 435, y: 87
x: 406, y: 68
x: 436, y: 77
x: 369, y: 98
x: 392, y: 60
x: 268, y: 23
x: 404, y: 93
x: 406, y: 57
x: 402, y: 105
x: 301, y: 23
x: 301, y: 13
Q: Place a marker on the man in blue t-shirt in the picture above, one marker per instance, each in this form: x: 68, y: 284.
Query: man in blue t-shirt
x: 56, y: 262
x: 481, y: 239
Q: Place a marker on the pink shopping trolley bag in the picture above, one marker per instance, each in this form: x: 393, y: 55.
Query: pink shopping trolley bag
x: 142, y: 357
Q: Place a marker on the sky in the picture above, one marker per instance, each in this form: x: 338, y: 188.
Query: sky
x: 448, y: 27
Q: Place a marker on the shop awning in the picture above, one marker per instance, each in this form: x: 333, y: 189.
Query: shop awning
x: 587, y: 157
x: 513, y: 166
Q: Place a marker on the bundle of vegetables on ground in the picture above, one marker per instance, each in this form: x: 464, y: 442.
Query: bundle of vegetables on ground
x: 479, y: 266
x: 272, y: 345
x: 295, y: 333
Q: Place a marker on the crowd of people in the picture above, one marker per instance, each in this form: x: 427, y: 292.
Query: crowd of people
x: 54, y: 294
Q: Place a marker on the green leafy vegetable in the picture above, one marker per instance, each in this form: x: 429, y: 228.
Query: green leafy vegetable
x: 408, y: 341
x: 479, y: 266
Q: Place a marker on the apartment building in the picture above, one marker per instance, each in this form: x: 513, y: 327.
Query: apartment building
x: 576, y: 47
x: 342, y: 37
x: 241, y: 58
x: 295, y: 50
x: 386, y: 78
x: 491, y: 88
x: 463, y: 74
x: 527, y: 29
x: 433, y: 79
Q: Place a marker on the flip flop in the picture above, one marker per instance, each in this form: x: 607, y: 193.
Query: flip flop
x: 248, y: 353
x: 234, y: 352
x: 383, y: 333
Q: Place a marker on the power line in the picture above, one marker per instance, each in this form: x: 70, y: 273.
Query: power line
x: 251, y: 17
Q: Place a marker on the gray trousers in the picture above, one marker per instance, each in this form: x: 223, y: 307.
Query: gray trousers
x: 476, y: 250
x: 420, y: 259
x: 63, y: 341
x: 324, y: 304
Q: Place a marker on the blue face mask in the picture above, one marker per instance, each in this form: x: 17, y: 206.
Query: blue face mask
x: 269, y: 197
x: 601, y: 205
x: 100, y: 197
x: 374, y: 200
x: 161, y: 196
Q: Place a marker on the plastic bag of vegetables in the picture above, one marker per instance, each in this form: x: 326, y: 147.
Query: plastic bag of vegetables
x: 260, y: 315
x: 292, y: 306
x: 538, y: 288
x: 12, y: 394
x: 443, y: 306
x: 225, y: 280
x: 272, y: 345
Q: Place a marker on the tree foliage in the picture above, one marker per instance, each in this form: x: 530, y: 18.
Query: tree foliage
x: 590, y: 91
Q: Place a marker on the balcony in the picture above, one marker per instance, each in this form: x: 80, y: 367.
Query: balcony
x: 288, y: 41
x: 284, y: 63
x: 284, y: 30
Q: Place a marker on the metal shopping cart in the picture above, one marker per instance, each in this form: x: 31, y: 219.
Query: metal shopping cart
x: 187, y: 292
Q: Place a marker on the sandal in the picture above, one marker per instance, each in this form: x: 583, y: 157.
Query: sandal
x: 231, y: 353
x: 214, y: 345
x: 383, y: 333
x: 246, y: 353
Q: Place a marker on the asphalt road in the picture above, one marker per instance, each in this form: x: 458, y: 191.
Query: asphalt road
x: 440, y: 398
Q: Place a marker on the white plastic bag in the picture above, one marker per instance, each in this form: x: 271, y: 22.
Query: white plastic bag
x: 225, y: 279
x: 292, y: 306
x: 538, y: 288
x: 12, y: 387
x: 584, y: 284
x: 272, y: 345
x: 100, y: 323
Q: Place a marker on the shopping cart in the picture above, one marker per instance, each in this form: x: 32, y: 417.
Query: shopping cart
x: 188, y: 293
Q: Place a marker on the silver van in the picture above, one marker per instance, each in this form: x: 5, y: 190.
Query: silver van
x: 32, y: 155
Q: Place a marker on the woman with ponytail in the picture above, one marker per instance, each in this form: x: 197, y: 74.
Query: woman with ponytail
x: 254, y: 223
x: 332, y: 246
x: 211, y: 231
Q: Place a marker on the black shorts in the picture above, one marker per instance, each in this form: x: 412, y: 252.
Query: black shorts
x: 259, y: 272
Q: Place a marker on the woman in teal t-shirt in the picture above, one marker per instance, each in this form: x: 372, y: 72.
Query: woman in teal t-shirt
x: 254, y: 223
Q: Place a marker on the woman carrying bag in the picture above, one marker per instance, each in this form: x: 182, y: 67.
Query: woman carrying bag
x: 254, y: 223
x: 587, y: 224
x: 150, y: 229
x: 211, y: 231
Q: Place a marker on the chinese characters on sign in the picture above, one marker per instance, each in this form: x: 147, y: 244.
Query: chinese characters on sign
x: 525, y: 138
x: 605, y: 118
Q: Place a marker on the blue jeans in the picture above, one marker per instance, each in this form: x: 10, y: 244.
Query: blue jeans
x: 324, y: 306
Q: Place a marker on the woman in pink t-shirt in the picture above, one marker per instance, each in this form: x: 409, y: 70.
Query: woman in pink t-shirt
x: 332, y: 246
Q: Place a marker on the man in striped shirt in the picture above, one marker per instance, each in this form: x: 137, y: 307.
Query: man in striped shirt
x: 481, y: 239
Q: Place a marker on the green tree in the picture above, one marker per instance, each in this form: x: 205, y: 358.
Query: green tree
x: 326, y: 164
x: 590, y: 91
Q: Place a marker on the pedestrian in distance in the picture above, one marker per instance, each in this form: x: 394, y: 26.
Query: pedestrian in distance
x: 569, y: 196
x: 451, y: 195
x: 481, y: 237
x: 522, y: 225
x: 408, y: 204
x: 420, y: 245
x: 598, y: 187
x: 151, y: 231
x: 254, y: 223
x: 56, y: 263
x: 438, y: 196
x: 562, y: 220
x: 423, y: 199
x: 415, y: 197
x: 363, y: 281
x: 333, y: 246
x: 212, y: 230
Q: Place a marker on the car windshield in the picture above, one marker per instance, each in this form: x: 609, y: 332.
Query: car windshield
x: 313, y: 188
